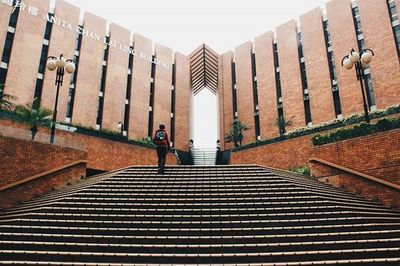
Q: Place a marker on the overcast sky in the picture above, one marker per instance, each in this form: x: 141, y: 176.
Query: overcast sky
x: 183, y: 25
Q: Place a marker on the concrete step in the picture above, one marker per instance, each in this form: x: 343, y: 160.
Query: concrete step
x: 242, y: 215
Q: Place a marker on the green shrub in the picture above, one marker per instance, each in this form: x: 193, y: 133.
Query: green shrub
x: 329, y: 125
x: 147, y: 141
x: 362, y: 129
x: 303, y: 170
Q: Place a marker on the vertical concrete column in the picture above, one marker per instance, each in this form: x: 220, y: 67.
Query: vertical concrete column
x: 140, y: 92
x: 63, y: 41
x: 317, y: 67
x: 244, y: 85
x: 26, y: 50
x: 5, y: 12
x: 266, y: 85
x: 182, y: 101
x: 117, y: 73
x: 87, y: 86
x: 162, y: 87
x: 292, y: 92
x: 225, y: 97
x: 344, y: 38
x: 378, y: 35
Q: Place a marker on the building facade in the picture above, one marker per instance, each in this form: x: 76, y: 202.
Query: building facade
x: 123, y: 77
x: 296, y: 71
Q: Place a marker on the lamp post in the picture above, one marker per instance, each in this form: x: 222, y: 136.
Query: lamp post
x: 360, y: 61
x: 61, y: 65
x: 120, y: 126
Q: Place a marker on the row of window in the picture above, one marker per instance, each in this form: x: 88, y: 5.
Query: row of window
x: 303, y: 75
x: 42, y: 62
x: 8, y: 44
x: 303, y: 72
x: 5, y: 58
x: 335, y: 89
x: 74, y: 78
x: 332, y: 68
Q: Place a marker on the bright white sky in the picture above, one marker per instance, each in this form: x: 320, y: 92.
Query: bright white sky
x: 183, y: 25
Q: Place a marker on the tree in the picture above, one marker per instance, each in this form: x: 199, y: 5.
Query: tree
x: 6, y: 100
x: 235, y: 135
x: 282, y: 123
x: 33, y: 116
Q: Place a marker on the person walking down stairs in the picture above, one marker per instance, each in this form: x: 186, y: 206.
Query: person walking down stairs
x: 162, y: 141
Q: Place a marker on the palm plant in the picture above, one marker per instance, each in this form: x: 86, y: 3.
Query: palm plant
x: 235, y: 135
x: 6, y: 100
x: 33, y: 116
x: 282, y: 123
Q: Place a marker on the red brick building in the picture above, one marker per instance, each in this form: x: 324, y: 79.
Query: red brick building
x: 121, y: 76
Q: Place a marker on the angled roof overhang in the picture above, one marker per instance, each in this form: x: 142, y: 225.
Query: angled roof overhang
x: 204, y: 69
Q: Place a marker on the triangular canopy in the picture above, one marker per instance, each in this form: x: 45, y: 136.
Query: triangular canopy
x: 204, y: 69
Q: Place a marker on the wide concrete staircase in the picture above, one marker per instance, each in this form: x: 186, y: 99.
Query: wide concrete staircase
x: 232, y: 215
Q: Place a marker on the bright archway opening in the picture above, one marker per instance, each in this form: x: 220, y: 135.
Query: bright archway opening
x: 204, y: 79
x: 205, y: 120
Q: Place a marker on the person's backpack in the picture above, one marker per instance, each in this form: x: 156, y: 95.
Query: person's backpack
x: 160, y: 137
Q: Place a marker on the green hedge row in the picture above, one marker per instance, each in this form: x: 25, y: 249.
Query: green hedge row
x: 112, y: 135
x: 338, y: 123
x: 362, y: 129
x: 102, y: 133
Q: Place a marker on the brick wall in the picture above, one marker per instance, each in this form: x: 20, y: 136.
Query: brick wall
x: 266, y: 85
x: 25, y: 53
x: 377, y: 155
x: 42, y: 185
x: 283, y: 155
x: 107, y: 155
x: 244, y: 91
x: 21, y: 158
x: 225, y: 99
x: 317, y: 69
x: 89, y: 73
x: 292, y: 92
x: 102, y: 154
x: 116, y: 79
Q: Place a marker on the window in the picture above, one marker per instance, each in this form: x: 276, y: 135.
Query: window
x: 234, y: 100
x: 173, y: 103
x: 151, y: 104
x: 332, y: 69
x: 394, y: 17
x: 42, y: 63
x: 99, y: 119
x: 255, y: 95
x: 303, y: 74
x: 7, y: 47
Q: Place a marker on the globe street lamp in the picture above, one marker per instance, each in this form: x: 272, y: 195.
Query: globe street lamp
x: 61, y: 65
x: 360, y: 61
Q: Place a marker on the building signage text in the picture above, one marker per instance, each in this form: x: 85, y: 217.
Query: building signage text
x: 34, y: 11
